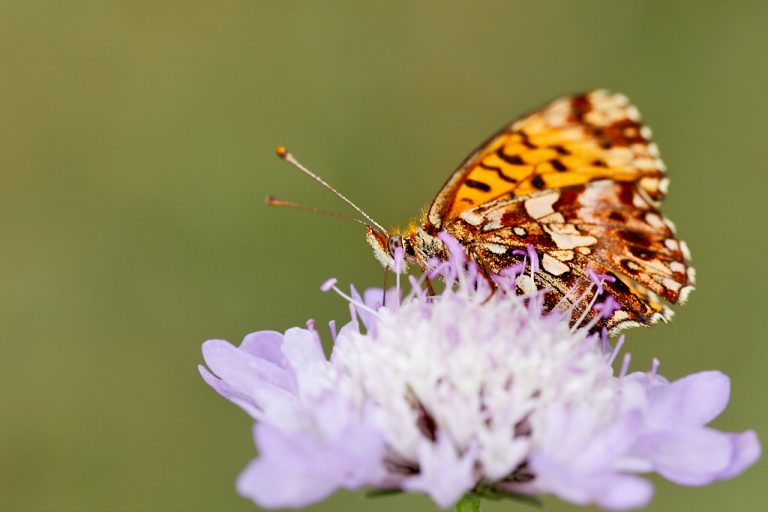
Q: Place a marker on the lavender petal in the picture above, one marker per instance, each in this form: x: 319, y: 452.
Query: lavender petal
x: 691, y: 401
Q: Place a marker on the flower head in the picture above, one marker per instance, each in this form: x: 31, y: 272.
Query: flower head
x: 477, y: 387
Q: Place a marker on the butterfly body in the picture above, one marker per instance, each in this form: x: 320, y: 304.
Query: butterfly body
x: 581, y: 182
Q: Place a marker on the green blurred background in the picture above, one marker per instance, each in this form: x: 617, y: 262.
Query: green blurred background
x: 136, y: 148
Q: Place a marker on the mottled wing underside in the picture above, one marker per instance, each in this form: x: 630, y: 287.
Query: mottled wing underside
x: 581, y: 181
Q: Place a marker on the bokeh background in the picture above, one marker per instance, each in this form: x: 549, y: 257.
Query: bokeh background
x: 136, y: 149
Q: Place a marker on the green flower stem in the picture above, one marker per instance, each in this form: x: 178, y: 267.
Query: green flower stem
x: 469, y: 503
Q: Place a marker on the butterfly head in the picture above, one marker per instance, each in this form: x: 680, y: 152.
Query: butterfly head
x: 385, y: 246
x: 419, y: 246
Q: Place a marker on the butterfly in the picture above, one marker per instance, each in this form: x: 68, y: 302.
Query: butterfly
x: 579, y: 180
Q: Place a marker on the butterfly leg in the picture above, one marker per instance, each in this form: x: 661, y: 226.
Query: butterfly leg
x: 493, y: 292
x: 430, y: 288
x: 491, y: 283
x: 483, y: 268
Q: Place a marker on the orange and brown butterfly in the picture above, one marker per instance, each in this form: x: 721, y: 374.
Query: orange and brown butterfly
x: 581, y: 182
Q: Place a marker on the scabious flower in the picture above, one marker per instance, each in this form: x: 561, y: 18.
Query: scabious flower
x: 469, y: 391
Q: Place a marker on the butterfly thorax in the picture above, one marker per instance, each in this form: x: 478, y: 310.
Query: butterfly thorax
x: 425, y: 246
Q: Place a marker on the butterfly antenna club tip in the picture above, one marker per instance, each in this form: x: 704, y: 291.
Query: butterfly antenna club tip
x: 286, y: 155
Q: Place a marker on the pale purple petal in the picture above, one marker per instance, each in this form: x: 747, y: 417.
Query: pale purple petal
x: 374, y: 298
x: 366, y: 316
x: 687, y: 456
x: 242, y: 377
x: 281, y: 408
x: 302, y: 347
x: 621, y: 492
x: 581, y: 441
x: 578, y: 459
x: 746, y: 451
x: 634, y: 393
x: 247, y: 403
x: 265, y: 345
x: 608, y: 443
x: 691, y: 401
x: 611, y: 490
x: 444, y: 474
x: 649, y: 382
x: 243, y: 371
x: 357, y: 445
x: 297, y: 468
x: 288, y: 473
x: 345, y: 333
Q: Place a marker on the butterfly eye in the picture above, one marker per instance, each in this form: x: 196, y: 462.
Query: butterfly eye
x: 394, y: 242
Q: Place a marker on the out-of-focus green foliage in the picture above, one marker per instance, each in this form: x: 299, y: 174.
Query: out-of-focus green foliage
x: 136, y: 147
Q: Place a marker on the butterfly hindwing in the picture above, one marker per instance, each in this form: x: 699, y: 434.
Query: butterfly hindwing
x: 573, y: 235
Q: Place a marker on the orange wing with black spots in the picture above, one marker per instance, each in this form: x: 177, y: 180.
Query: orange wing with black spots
x: 581, y: 181
x: 572, y: 141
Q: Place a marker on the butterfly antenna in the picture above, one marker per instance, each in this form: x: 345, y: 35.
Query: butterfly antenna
x: 288, y: 157
x: 273, y: 201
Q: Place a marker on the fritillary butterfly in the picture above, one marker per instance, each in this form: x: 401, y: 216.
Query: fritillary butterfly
x: 579, y: 180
